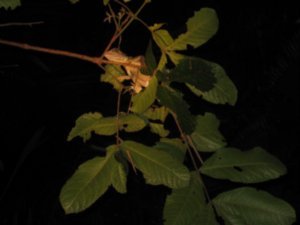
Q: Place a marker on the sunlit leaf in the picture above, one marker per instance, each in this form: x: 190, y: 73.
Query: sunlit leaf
x: 174, y: 147
x: 207, y: 137
x: 157, y: 113
x: 9, y: 4
x: 174, y: 101
x: 132, y: 122
x: 224, y: 90
x: 112, y: 72
x: 155, y: 26
x: 162, y: 62
x: 159, y: 129
x: 143, y: 100
x: 249, y: 206
x: 162, y: 38
x: 94, y: 122
x: 252, y: 166
x: 157, y: 167
x: 175, y: 57
x: 91, y: 180
x: 200, y: 28
x: 187, y: 206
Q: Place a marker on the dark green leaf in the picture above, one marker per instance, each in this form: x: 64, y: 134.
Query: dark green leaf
x: 187, y: 206
x: 174, y: 101
x: 207, y: 137
x: 174, y: 147
x: 247, y: 206
x: 224, y: 90
x: 194, y: 71
x: 157, y: 167
x: 149, y: 60
x: 251, y: 166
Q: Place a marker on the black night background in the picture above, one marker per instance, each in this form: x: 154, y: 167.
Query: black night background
x: 41, y: 96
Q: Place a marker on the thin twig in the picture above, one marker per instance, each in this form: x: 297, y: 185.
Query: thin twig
x: 131, y: 14
x: 30, y: 24
x: 183, y: 135
x: 118, y: 118
x: 191, y: 143
x: 113, y: 16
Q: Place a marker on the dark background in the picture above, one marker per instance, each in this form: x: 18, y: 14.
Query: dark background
x: 42, y: 95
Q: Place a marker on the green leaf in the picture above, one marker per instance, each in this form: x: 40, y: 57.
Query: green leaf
x: 156, y: 27
x: 187, y: 206
x: 174, y: 147
x: 112, y: 72
x: 9, y: 4
x: 91, y: 180
x: 94, y: 122
x: 175, y: 57
x: 195, y: 71
x: 174, y: 101
x: 105, y: 2
x: 85, y: 124
x: 157, y: 113
x: 224, y: 90
x: 149, y: 60
x: 162, y: 38
x: 247, y: 206
x: 143, y: 100
x: 252, y: 166
x: 157, y: 166
x: 159, y: 129
x: 207, y: 137
x: 132, y: 122
x: 200, y: 28
x: 162, y: 62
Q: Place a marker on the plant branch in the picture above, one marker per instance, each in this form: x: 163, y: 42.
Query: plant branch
x: 184, y: 137
x: 30, y: 24
x: 92, y: 59
x: 26, y: 46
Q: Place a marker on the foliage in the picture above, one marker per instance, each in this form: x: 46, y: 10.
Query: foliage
x: 149, y: 83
